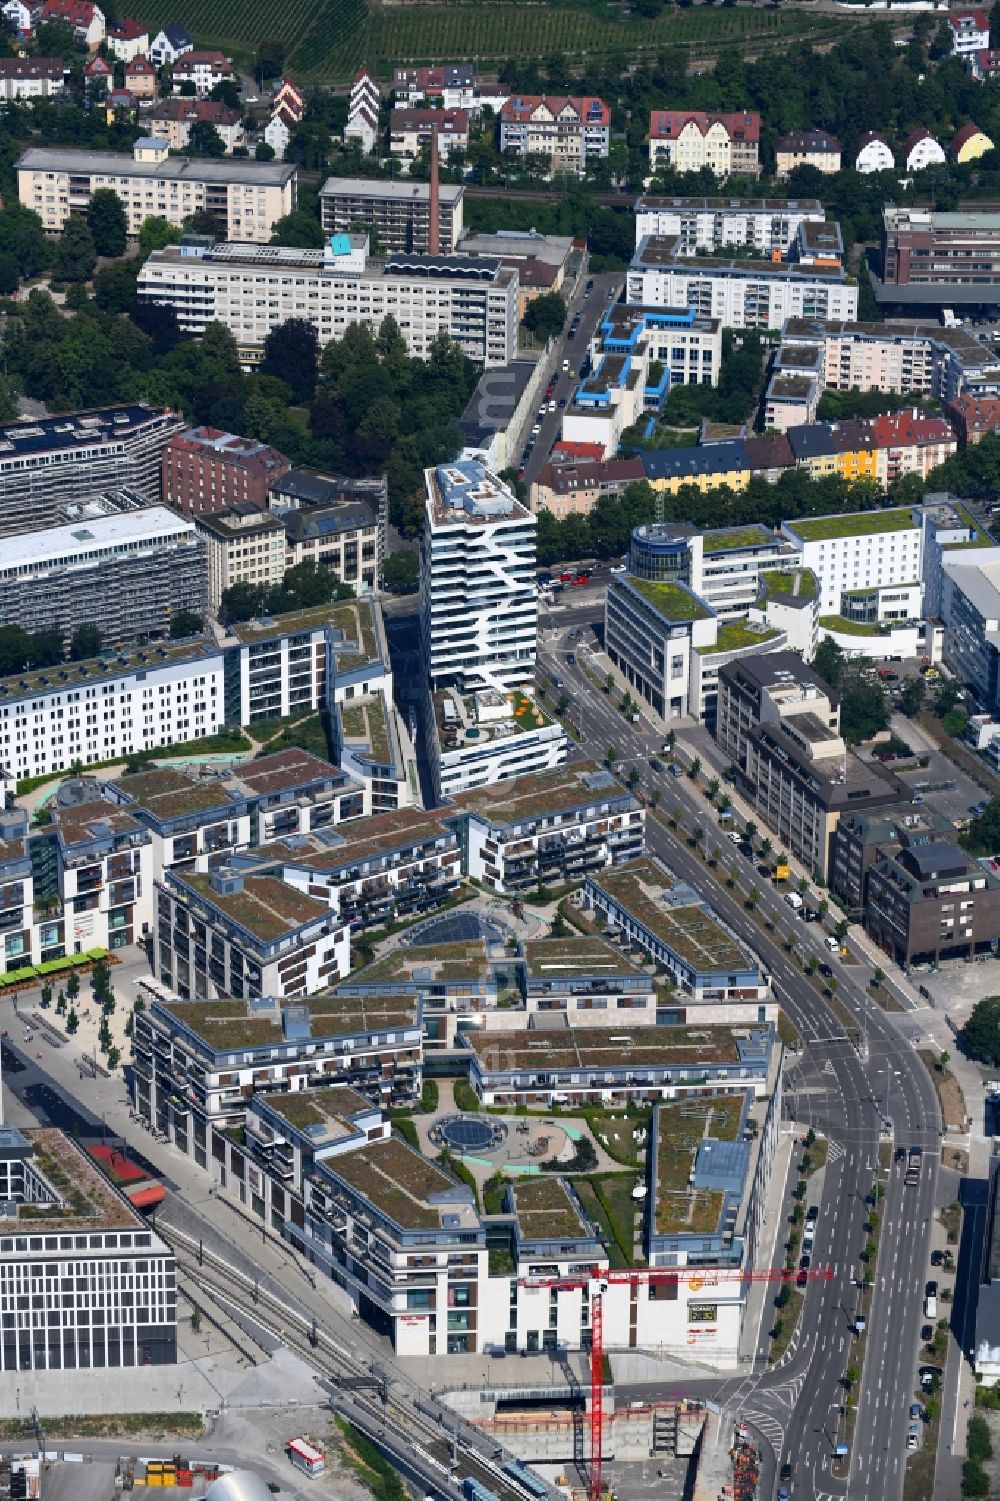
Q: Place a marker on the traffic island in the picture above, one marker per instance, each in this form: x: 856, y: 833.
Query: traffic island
x: 858, y: 1346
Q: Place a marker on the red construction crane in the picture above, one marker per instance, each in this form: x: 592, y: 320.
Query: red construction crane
x: 597, y: 1284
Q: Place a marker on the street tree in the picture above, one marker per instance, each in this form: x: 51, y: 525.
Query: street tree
x: 980, y: 1037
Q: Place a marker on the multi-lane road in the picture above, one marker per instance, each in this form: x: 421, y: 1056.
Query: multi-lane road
x: 830, y: 1086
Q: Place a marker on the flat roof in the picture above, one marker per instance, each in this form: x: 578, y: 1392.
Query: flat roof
x: 225, y: 1026
x: 384, y: 835
x: 91, y: 1202
x: 122, y: 164
x: 264, y: 907
x: 683, y: 1129
x: 603, y: 1048
x: 401, y: 1184
x: 392, y: 188
x: 366, y: 722
x: 66, y: 675
x: 675, y: 914
x: 735, y: 538
x: 465, y: 492
x: 325, y: 1114
x: 90, y: 535
x: 546, y: 1210
x: 662, y: 252
x: 542, y: 794
x: 86, y: 823
x: 673, y: 601
x: 498, y: 395
x: 75, y: 429
x: 576, y: 957
x: 857, y: 524
x: 656, y: 201
x: 428, y: 964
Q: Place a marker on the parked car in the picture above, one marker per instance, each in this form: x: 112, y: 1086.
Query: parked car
x: 674, y: 769
x: 825, y: 971
x: 927, y: 1333
x: 812, y: 1214
x: 937, y: 1257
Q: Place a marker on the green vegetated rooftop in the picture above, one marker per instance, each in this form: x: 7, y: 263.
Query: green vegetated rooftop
x: 673, y: 602
x: 604, y: 1048
x: 799, y: 582
x: 737, y: 635
x: 365, y: 722
x: 399, y: 1183
x: 330, y: 1108
x: 545, y: 1211
x: 732, y: 538
x: 265, y: 907
x: 542, y: 793
x: 853, y: 627
x: 431, y: 962
x: 689, y: 930
x: 567, y: 958
x: 681, y: 1128
x: 228, y: 1024
x: 858, y: 524
x: 89, y: 1201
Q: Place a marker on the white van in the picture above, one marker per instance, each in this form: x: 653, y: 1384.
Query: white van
x: 794, y: 900
x: 930, y: 1306
x: 831, y: 943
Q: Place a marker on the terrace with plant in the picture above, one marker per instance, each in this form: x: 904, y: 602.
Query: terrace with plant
x: 689, y: 930
x: 738, y: 635
x: 330, y: 1108
x: 800, y: 583
x: 856, y: 524
x: 89, y: 1202
x: 546, y: 1210
x: 399, y: 1183
x: 681, y: 1129
x: 735, y: 538
x: 604, y: 1048
x: 366, y: 728
x: 542, y: 794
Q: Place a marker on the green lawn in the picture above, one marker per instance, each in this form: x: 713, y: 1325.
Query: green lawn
x: 673, y: 602
x: 730, y: 538
x: 849, y: 627
x: 858, y: 524
x: 737, y: 635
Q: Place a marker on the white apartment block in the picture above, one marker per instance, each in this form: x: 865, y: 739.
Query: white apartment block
x: 712, y: 225
x: 869, y: 550
x: 85, y: 1282
x: 739, y: 294
x: 479, y: 601
x: 107, y: 709
x: 479, y: 739
x: 253, y: 289
x: 246, y: 197
x: 970, y: 32
x: 32, y: 77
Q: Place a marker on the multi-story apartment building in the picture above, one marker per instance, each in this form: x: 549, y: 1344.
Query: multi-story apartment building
x: 638, y: 354
x: 479, y: 606
x: 205, y: 470
x: 862, y: 838
x: 86, y: 1282
x: 99, y: 886
x: 923, y: 358
x: 335, y: 522
x: 933, y: 257
x: 970, y: 31
x: 410, y: 132
x: 474, y: 302
x: 716, y: 224
x: 972, y: 417
x: 247, y: 198
x: 200, y: 818
x: 687, y: 140
x: 739, y: 293
x: 548, y: 829
x: 394, y: 214
x: 571, y: 487
x: 674, y: 928
x: 126, y: 40
x: 220, y: 933
x: 48, y: 462
x: 128, y: 573
x: 451, y: 85
x: 199, y: 1064
x: 108, y: 708
x: 584, y: 1065
x: 570, y: 132
x: 970, y: 608
x: 866, y: 550
x: 779, y: 724
x: 202, y: 67
x: 806, y: 148
x: 478, y: 739
x: 931, y: 902
x: 369, y: 744
x: 242, y: 546
x: 32, y: 77
x: 911, y: 442
x: 172, y: 120
x: 363, y: 113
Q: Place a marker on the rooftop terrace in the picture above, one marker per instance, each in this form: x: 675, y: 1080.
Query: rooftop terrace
x: 546, y: 1210
x: 265, y: 907
x: 735, y: 538
x: 687, y: 928
x: 426, y: 963
x: 682, y: 1128
x: 738, y: 635
x: 228, y: 1024
x: 572, y: 958
x: 671, y: 600
x: 603, y: 1048
x: 365, y: 726
x: 409, y: 1190
x: 328, y: 1109
x: 91, y: 1203
x: 541, y: 794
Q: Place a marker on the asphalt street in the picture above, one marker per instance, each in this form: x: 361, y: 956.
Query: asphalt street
x: 829, y: 1086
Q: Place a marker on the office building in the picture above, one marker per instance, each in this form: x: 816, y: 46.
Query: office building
x: 103, y: 1286
x: 479, y: 607
x: 934, y: 258
x: 739, y: 293
x: 860, y: 839
x: 675, y: 929
x: 651, y: 632
x: 806, y: 148
x: 717, y: 224
x: 688, y: 140
x: 570, y: 132
x: 866, y: 550
x: 725, y: 567
x: 247, y: 198
x: 929, y: 902
x: 128, y: 574
x: 542, y: 262
x: 473, y: 302
x: 779, y: 724
x: 47, y: 463
x: 242, y: 546
x: 394, y: 214
x: 970, y: 609
x: 206, y: 471
x: 342, y: 529
x: 548, y: 829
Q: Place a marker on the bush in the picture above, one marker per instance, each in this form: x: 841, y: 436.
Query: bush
x: 429, y: 1097
x: 407, y: 1130
x: 975, y: 1481
x: 465, y: 1096
x: 978, y: 1444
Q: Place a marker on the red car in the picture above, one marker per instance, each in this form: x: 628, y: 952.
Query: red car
x: 581, y: 578
x: 568, y: 578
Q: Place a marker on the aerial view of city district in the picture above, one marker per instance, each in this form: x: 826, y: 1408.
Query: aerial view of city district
x: 499, y: 750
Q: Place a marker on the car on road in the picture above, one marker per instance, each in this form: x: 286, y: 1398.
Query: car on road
x: 804, y: 1262
x: 557, y: 682
x: 927, y: 1333
x: 825, y: 971
x: 930, y: 1377
x: 809, y: 914
x: 545, y: 578
x: 562, y: 401
x: 802, y: 1277
x: 565, y: 366
x: 619, y: 568
x: 812, y: 1214
x: 735, y: 836
x: 674, y: 769
x: 571, y: 659
x: 567, y: 576
x: 581, y: 578
x: 656, y: 764
x: 785, y: 1473
x: 980, y: 807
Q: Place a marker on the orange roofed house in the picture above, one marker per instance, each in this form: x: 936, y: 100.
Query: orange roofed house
x: 688, y: 140
x: 569, y: 131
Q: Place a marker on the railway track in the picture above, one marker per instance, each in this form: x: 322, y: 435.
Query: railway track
x: 403, y: 1422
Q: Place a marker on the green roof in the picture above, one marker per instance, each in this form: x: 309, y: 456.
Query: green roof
x: 737, y: 635
x: 729, y: 538
x: 858, y: 524
x: 545, y: 1211
x: 681, y: 1128
x: 799, y: 582
x: 671, y: 600
x: 568, y: 958
x: 853, y: 627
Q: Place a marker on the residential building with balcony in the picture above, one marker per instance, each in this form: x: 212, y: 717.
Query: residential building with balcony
x: 480, y: 739
x: 410, y: 132
x: 32, y: 77
x: 717, y: 977
x: 613, y: 1065
x: 172, y: 120
x: 688, y: 140
x: 220, y: 933
x: 587, y: 982
x: 547, y: 829
x: 103, y: 1285
x: 17, y: 893
x: 290, y: 1131
x: 716, y: 224
x: 569, y: 132
x: 199, y: 1064
x: 395, y: 214
x: 102, y: 897
x: 369, y: 744
x: 457, y: 984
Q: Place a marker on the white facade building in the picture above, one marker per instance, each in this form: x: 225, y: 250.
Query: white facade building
x: 480, y: 606
x: 716, y: 224
x: 252, y: 289
x: 869, y: 550
x: 923, y: 150
x: 970, y: 32
x: 740, y: 294
x: 874, y: 154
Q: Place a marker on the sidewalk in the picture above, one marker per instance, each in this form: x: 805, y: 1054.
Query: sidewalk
x: 760, y: 1294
